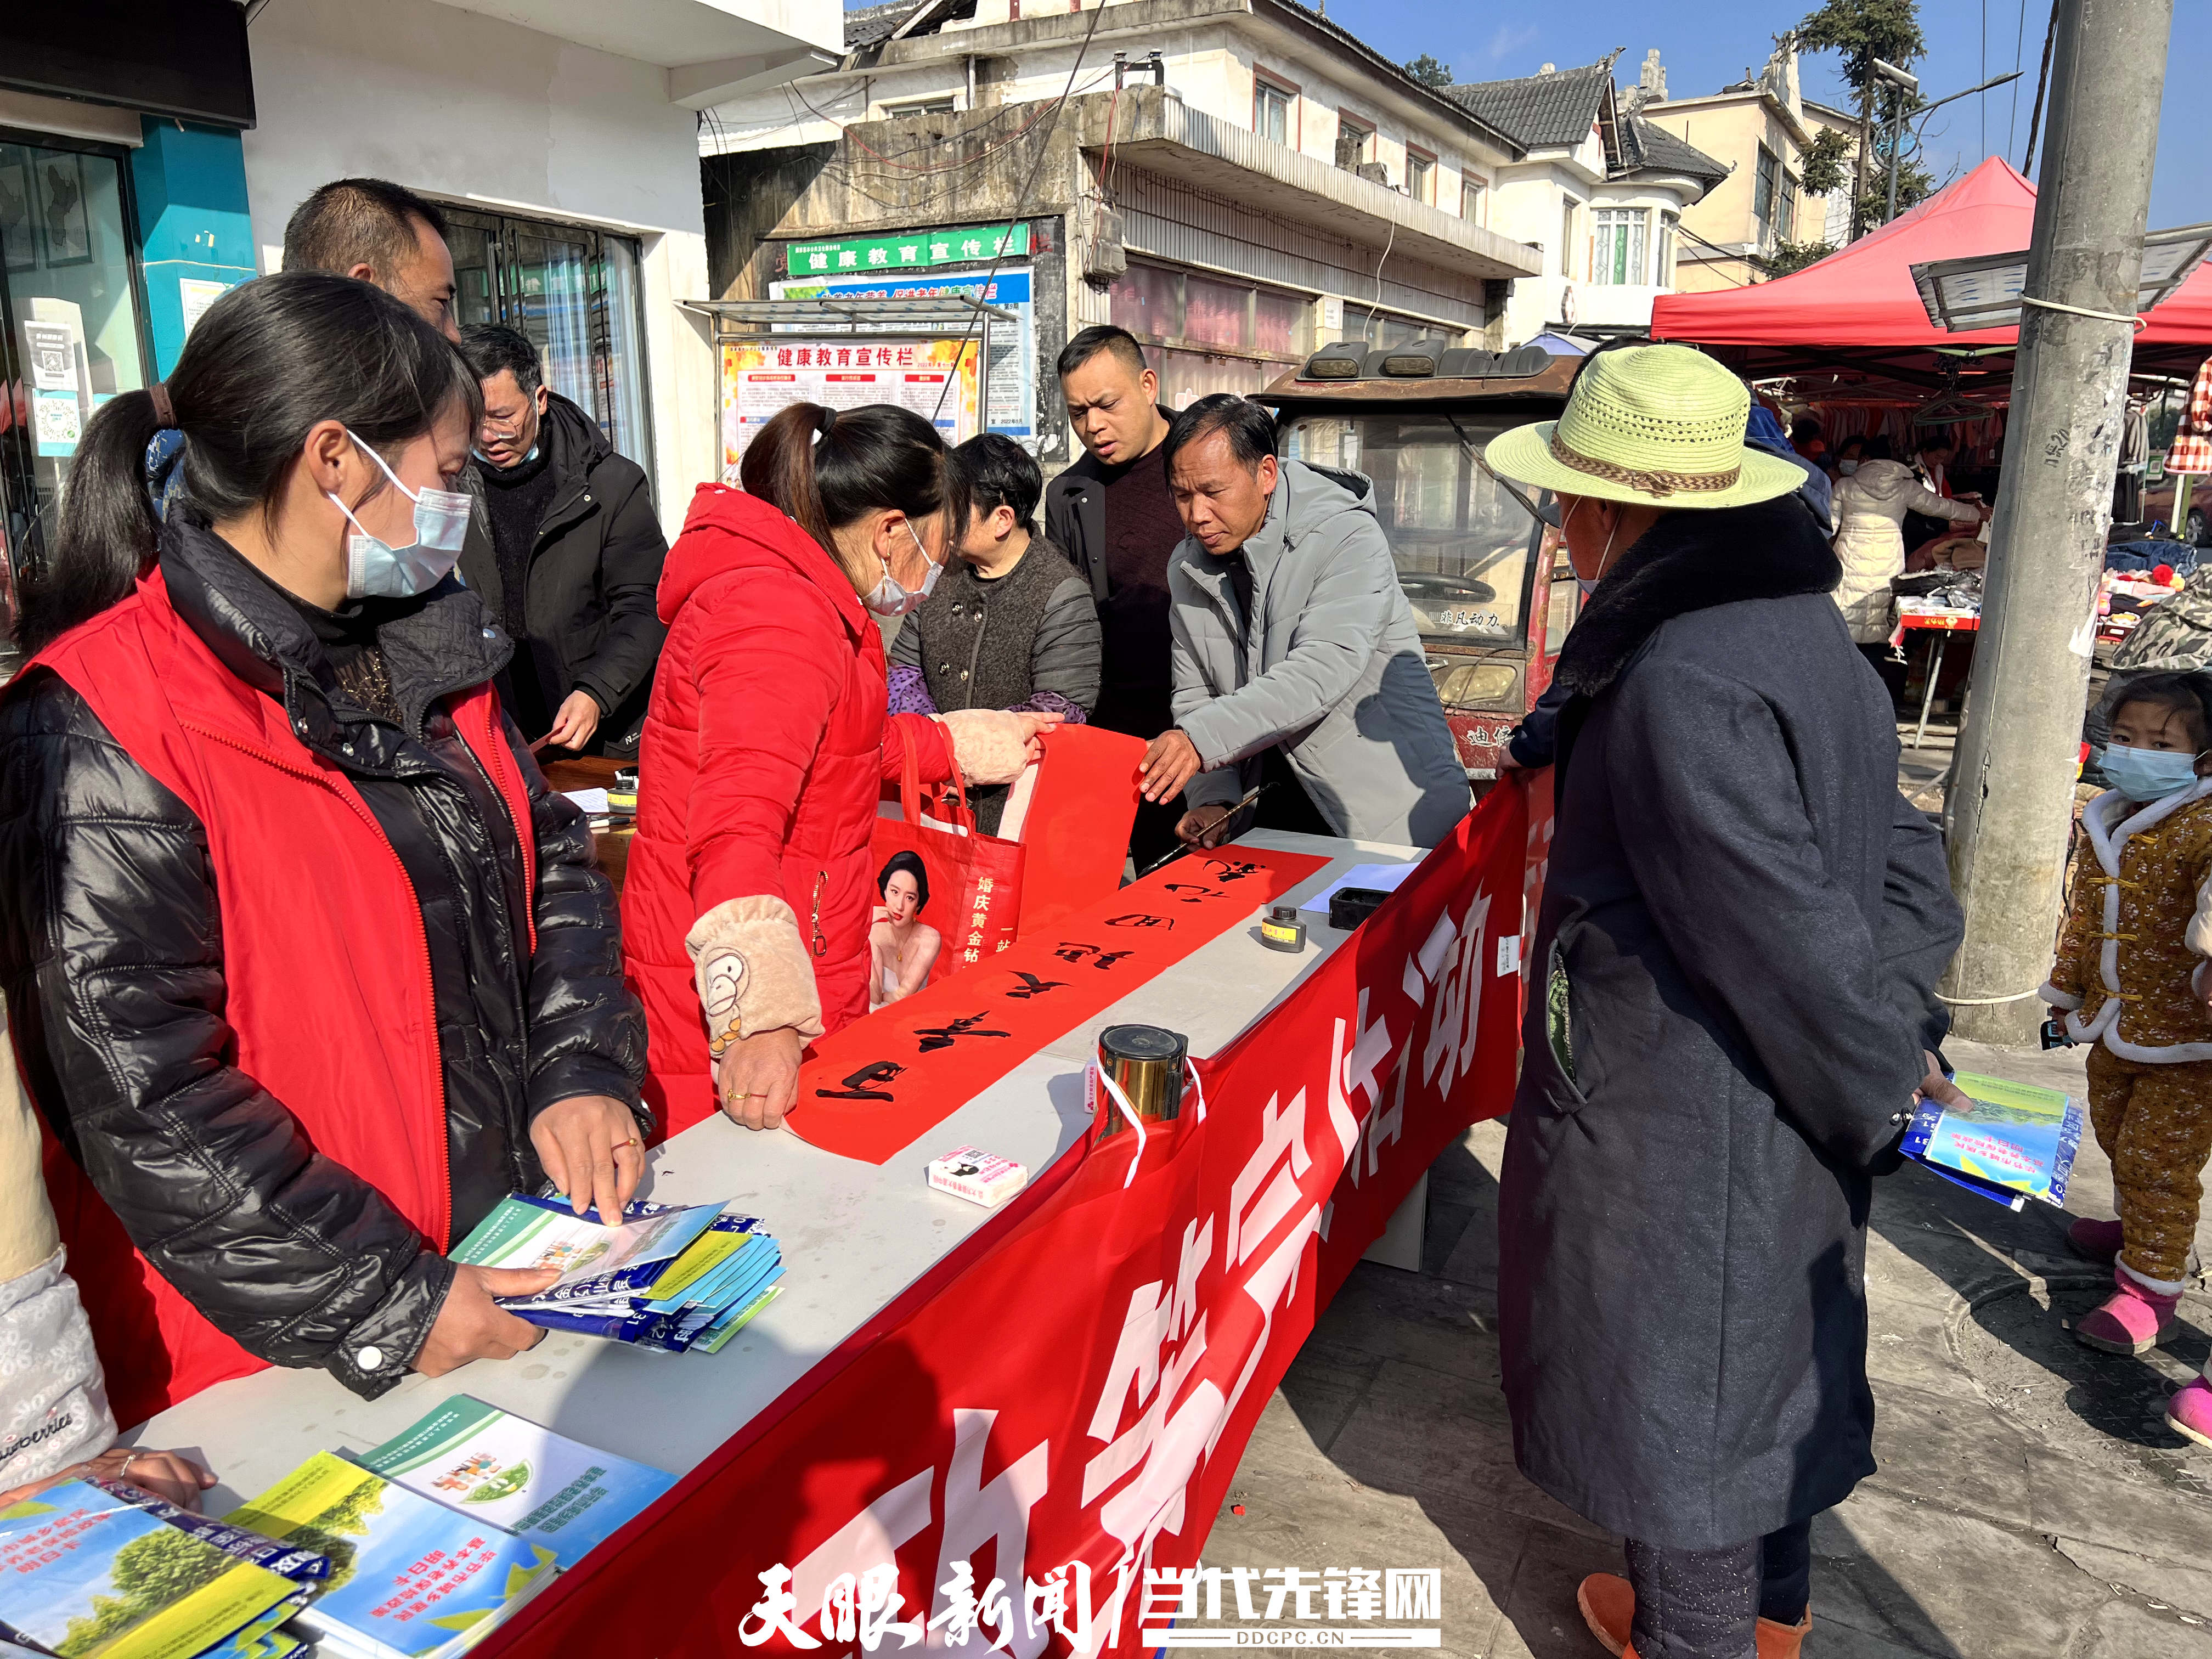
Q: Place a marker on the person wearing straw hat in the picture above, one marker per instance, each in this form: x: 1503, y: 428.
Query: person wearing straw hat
x: 1741, y: 929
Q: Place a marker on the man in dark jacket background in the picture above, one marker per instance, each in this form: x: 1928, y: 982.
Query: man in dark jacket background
x: 1112, y: 515
x: 1741, y: 929
x: 566, y: 552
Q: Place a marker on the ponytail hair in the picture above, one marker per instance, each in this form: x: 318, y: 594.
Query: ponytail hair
x: 826, y: 467
x: 270, y: 360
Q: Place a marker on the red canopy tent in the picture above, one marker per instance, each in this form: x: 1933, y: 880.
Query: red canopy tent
x: 1856, y: 315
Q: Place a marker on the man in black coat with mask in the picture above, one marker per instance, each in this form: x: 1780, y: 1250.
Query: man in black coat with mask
x: 1742, y: 930
x: 565, y: 550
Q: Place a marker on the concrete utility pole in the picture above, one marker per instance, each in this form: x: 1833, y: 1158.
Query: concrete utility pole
x: 2012, y: 788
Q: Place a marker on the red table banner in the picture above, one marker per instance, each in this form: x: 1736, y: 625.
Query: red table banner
x: 870, y: 1089
x: 1027, y: 1448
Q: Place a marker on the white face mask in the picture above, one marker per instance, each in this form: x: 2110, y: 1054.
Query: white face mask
x: 890, y: 598
x: 1847, y: 466
x: 376, y: 569
x: 1589, y: 584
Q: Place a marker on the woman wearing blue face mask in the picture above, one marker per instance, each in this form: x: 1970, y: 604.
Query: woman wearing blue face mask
x: 306, y: 967
x: 750, y: 890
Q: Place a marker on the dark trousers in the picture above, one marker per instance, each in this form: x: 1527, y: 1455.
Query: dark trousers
x: 1893, y: 672
x: 1705, y: 1604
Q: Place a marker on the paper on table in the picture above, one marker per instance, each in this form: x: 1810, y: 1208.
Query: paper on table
x: 1383, y: 878
x: 593, y: 802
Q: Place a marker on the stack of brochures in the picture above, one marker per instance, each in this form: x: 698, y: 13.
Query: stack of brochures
x: 409, y: 1578
x: 101, y: 1567
x: 2016, y: 1141
x: 673, y: 1278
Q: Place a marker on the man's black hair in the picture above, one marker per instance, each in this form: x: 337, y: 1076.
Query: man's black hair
x: 358, y: 221
x: 1804, y: 428
x: 1102, y: 336
x: 1936, y: 439
x: 493, y: 348
x: 1251, y: 429
x: 995, y: 472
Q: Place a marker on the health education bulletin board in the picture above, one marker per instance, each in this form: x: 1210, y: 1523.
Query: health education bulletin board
x: 1009, y: 390
x: 760, y: 377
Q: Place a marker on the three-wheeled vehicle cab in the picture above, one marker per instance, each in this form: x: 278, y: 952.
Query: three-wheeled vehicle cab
x: 1488, y: 583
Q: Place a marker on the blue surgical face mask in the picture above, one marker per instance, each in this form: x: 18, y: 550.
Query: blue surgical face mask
x: 376, y: 569
x: 1847, y: 466
x: 2148, y: 773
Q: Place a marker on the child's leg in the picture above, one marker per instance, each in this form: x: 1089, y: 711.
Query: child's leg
x: 2164, y: 1137
x: 2111, y: 1081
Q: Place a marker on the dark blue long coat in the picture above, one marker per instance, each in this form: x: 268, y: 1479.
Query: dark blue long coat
x: 1741, y: 929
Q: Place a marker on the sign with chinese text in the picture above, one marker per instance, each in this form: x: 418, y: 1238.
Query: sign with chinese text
x: 760, y: 377
x: 1011, y: 386
x: 913, y: 250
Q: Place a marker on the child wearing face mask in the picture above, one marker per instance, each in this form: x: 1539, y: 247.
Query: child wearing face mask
x: 2132, y: 978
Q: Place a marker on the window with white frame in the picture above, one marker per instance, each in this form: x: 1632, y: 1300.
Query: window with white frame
x: 1420, y: 175
x: 918, y: 106
x: 1567, y: 236
x: 1470, y: 199
x: 1271, y: 110
x: 1664, y: 273
x: 1617, y: 247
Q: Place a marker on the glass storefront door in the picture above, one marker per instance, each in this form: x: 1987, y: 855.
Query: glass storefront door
x: 574, y: 291
x: 72, y: 331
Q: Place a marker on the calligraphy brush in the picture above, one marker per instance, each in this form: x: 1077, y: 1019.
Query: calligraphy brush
x: 1178, y: 852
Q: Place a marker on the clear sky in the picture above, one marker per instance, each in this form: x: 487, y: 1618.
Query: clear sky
x: 1706, y: 44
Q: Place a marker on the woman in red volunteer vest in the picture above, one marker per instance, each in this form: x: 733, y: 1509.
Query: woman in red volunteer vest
x: 749, y: 891
x: 305, y: 967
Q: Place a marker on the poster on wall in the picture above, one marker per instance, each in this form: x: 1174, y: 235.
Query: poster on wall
x: 1011, y: 403
x: 760, y: 377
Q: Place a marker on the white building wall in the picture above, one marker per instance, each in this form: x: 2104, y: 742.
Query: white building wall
x: 470, y: 109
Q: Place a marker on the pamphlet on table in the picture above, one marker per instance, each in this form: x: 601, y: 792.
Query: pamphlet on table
x: 83, y: 1571
x: 478, y: 1460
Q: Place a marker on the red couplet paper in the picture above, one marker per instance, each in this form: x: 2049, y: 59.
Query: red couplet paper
x: 872, y: 1088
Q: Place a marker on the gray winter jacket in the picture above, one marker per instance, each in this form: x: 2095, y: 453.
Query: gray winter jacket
x: 1332, y: 669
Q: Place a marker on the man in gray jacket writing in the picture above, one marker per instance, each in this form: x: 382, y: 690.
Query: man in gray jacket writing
x: 1296, y: 662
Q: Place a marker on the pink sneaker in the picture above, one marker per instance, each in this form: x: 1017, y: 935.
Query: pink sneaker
x: 2131, y: 1320
x: 2099, y: 1241
x: 2189, y: 1411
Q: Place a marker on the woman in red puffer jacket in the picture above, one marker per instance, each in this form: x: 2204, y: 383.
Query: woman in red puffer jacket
x: 750, y: 889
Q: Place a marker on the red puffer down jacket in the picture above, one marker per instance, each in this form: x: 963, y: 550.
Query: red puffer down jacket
x: 766, y: 745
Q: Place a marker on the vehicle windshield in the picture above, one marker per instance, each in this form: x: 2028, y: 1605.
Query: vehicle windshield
x: 1461, y: 542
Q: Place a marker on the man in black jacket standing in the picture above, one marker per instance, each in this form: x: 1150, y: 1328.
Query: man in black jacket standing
x: 566, y: 552
x: 1112, y: 513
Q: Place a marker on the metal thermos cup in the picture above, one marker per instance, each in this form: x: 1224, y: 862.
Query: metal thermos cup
x: 1146, y: 1064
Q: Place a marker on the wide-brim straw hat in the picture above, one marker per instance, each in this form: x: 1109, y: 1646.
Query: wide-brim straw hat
x: 1662, y: 425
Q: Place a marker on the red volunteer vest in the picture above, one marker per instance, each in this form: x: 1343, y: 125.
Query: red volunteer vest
x: 325, y: 958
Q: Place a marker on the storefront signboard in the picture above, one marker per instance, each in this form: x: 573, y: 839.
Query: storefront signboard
x: 910, y: 250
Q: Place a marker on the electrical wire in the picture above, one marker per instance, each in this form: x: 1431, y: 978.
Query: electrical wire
x: 1390, y: 242
x: 2019, y: 44
x: 1021, y: 209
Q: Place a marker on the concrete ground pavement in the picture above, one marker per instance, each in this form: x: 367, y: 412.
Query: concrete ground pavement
x: 2030, y: 1502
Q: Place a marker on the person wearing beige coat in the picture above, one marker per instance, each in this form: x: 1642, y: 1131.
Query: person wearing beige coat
x: 1871, y: 508
x: 55, y: 1424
